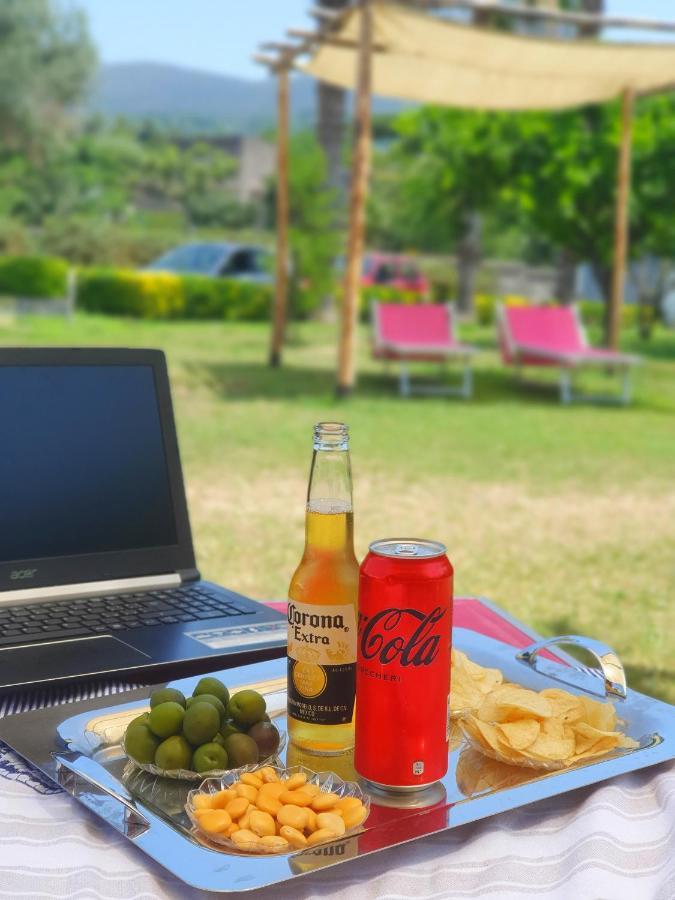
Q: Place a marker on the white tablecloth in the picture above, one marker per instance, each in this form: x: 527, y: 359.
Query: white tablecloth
x: 616, y: 840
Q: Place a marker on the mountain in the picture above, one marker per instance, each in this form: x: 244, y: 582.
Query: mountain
x: 193, y: 100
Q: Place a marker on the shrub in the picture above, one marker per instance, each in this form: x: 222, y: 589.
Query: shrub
x: 484, y: 305
x: 162, y: 295
x: 383, y: 293
x: 33, y: 276
x: 593, y: 314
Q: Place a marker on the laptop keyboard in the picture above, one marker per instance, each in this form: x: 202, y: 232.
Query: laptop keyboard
x: 105, y: 615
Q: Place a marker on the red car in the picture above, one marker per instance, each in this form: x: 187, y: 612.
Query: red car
x: 394, y: 271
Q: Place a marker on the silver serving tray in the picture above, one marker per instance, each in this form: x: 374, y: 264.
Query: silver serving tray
x: 149, y: 811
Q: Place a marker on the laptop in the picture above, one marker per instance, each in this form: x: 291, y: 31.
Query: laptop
x: 97, y: 568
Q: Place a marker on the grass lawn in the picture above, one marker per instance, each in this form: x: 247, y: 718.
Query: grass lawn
x: 564, y: 516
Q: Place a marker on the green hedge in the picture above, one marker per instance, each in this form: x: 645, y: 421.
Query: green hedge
x: 162, y: 295
x: 43, y: 277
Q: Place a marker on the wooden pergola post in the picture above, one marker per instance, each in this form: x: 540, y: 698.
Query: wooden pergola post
x: 357, y: 204
x: 621, y: 222
x: 282, y: 213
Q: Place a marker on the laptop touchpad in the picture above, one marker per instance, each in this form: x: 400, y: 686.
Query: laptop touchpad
x: 64, y: 659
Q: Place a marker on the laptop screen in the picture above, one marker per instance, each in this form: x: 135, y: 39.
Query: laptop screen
x: 83, y: 466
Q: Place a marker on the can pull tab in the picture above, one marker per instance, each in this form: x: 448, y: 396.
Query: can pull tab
x: 407, y: 550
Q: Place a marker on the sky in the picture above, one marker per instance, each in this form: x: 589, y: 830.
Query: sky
x: 221, y: 35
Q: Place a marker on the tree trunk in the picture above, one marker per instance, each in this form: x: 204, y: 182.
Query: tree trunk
x: 603, y: 275
x: 330, y: 124
x: 468, y: 258
x: 565, y: 277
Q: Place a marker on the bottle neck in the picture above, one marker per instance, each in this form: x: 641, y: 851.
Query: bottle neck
x: 329, y: 521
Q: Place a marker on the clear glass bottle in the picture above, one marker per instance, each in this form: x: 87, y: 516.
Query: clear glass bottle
x: 322, y: 608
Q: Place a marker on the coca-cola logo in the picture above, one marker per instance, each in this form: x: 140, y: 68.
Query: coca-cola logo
x: 381, y: 636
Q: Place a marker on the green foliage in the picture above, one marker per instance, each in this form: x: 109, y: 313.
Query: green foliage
x: 87, y: 241
x: 485, y: 308
x: 445, y: 165
x: 314, y: 238
x: 632, y: 315
x: 46, y: 59
x: 15, y: 239
x: 163, y: 295
x: 33, y: 277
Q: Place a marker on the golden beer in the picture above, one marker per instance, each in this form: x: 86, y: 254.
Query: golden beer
x: 322, y: 608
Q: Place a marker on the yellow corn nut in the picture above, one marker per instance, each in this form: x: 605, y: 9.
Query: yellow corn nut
x: 272, y: 789
x: 236, y: 808
x: 324, y: 801
x: 203, y: 801
x: 332, y: 822
x: 318, y: 837
x: 261, y: 823
x: 214, y: 820
x: 296, y: 781
x: 355, y: 816
x: 268, y: 804
x: 274, y: 842
x: 244, y: 838
x: 246, y: 790
x: 252, y: 779
x: 222, y: 798
x: 294, y: 837
x: 348, y: 803
x: 298, y: 798
x: 311, y: 819
x: 295, y: 816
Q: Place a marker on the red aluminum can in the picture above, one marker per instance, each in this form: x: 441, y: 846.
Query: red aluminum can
x: 403, y: 664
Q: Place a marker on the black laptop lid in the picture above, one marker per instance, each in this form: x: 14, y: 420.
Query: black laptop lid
x: 90, y: 479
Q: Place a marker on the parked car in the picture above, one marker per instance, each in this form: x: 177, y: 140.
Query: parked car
x: 394, y: 271
x: 217, y: 260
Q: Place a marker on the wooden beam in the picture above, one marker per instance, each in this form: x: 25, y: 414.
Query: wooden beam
x: 551, y: 15
x: 281, y: 280
x: 312, y: 38
x: 621, y: 220
x: 357, y: 203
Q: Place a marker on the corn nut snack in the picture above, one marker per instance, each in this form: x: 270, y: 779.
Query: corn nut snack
x: 265, y: 809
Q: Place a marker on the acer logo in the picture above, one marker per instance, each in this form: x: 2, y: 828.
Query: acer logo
x: 21, y: 574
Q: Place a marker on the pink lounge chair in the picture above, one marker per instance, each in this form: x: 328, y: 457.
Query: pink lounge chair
x: 555, y: 336
x: 422, y: 332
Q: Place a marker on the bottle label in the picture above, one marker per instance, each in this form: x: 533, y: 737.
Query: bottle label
x: 321, y: 663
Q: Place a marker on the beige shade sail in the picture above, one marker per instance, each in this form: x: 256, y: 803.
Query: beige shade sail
x: 430, y: 60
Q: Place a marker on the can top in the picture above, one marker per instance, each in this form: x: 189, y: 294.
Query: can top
x: 407, y: 548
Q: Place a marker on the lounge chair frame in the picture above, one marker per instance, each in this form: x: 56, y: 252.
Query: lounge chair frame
x: 403, y: 354
x: 569, y: 363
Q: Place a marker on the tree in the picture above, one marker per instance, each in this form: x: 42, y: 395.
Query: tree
x: 451, y: 166
x: 313, y: 237
x: 46, y: 60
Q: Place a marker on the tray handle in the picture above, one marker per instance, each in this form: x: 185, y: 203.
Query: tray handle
x: 610, y: 671
x: 79, y: 776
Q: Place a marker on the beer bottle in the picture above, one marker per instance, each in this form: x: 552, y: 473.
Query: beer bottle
x: 322, y: 608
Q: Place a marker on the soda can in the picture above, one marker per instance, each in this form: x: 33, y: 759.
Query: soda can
x: 403, y: 664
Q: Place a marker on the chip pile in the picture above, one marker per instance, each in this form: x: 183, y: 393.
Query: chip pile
x: 550, y: 729
x: 470, y: 683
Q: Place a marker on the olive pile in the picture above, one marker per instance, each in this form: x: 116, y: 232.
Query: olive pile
x: 205, y: 732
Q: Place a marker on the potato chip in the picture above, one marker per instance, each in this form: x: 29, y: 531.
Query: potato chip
x: 565, y: 706
x: 469, y: 682
x: 600, y: 715
x: 548, y: 747
x: 519, y: 734
x: 509, y: 702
